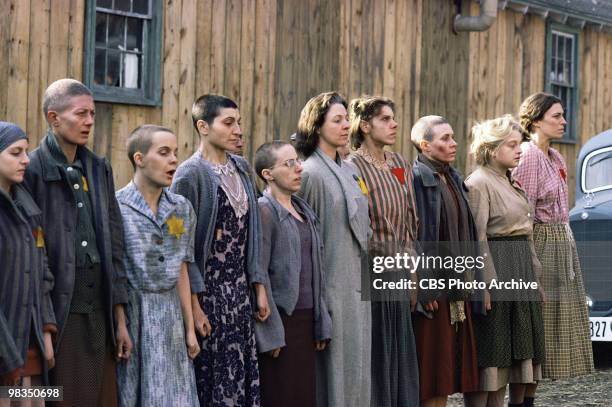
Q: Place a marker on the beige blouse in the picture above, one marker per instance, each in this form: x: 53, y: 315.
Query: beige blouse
x: 500, y: 208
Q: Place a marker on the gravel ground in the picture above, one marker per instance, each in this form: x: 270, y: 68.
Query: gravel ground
x: 594, y: 390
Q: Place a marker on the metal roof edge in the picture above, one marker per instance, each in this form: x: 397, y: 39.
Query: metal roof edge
x: 558, y: 13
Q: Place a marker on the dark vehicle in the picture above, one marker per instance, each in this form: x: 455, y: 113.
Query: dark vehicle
x: 591, y: 222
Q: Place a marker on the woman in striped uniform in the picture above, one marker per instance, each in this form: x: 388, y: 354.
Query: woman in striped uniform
x: 543, y: 175
x: 26, y: 314
x: 388, y: 181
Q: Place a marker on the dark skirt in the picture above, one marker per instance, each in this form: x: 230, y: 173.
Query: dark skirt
x: 84, y: 363
x: 512, y: 330
x: 395, y: 370
x: 289, y: 380
x: 446, y: 353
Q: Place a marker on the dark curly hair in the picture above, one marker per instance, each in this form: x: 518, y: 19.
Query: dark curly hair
x: 534, y: 107
x: 365, y: 108
x: 312, y: 119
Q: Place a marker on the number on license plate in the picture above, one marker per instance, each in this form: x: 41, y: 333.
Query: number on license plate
x: 601, y: 329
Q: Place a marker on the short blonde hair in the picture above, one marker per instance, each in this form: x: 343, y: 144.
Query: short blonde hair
x: 490, y: 134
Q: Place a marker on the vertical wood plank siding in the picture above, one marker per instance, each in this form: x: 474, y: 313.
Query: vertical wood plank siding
x: 273, y: 55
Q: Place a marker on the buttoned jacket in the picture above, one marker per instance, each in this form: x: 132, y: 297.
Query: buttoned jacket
x: 48, y: 185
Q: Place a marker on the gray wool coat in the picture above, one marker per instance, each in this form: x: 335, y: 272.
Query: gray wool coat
x: 331, y: 188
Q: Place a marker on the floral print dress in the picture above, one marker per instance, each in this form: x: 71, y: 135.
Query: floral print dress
x: 226, y: 369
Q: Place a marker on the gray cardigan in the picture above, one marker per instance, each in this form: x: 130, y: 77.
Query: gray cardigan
x: 281, y: 258
x: 196, y: 181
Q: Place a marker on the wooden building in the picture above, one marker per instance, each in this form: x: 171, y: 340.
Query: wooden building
x: 147, y: 60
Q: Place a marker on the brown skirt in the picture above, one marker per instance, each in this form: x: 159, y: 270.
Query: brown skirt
x: 447, y: 354
x: 289, y: 380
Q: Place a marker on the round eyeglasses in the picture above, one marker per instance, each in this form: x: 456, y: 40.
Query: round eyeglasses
x: 291, y: 163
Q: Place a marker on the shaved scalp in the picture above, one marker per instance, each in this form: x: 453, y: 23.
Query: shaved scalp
x: 265, y: 156
x: 58, y: 95
x: 141, y: 140
x: 208, y: 107
x: 423, y: 129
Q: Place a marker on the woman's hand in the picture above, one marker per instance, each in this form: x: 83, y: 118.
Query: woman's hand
x: 263, y: 308
x: 122, y: 336
x: 49, y: 354
x: 320, y: 345
x: 124, y: 342
x: 193, y: 348
x: 431, y: 306
x: 542, y: 293
x: 200, y: 320
x: 274, y: 352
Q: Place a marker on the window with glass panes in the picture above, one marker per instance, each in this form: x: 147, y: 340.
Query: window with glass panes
x: 122, y: 61
x: 561, y: 72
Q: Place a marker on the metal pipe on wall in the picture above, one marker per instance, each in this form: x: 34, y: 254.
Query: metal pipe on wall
x: 488, y: 14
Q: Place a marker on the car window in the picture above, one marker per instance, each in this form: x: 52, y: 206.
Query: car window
x: 597, y: 170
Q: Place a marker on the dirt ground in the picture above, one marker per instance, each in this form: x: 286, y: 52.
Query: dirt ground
x: 594, y: 390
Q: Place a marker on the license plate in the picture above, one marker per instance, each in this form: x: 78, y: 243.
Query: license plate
x: 601, y: 329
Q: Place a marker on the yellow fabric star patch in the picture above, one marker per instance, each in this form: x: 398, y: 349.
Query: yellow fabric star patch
x: 85, y: 185
x: 40, y: 237
x: 362, y: 185
x: 176, y: 226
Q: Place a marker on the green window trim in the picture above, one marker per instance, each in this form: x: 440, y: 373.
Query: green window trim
x: 571, y: 136
x: 150, y: 93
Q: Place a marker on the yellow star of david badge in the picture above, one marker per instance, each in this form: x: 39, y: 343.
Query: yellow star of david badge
x: 176, y: 226
x: 362, y: 185
x: 85, y: 184
x: 40, y: 237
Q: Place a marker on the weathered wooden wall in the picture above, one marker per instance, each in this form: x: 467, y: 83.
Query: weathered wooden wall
x: 378, y: 55
x: 271, y: 56
x: 38, y: 44
x: 507, y: 65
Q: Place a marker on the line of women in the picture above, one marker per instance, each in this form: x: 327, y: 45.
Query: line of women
x: 235, y: 300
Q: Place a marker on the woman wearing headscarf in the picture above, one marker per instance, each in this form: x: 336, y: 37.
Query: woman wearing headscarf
x: 27, y: 320
x: 542, y: 173
x: 332, y: 189
x: 392, y: 207
x: 510, y: 337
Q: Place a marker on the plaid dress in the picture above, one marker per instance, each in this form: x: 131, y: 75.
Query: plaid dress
x: 566, y: 322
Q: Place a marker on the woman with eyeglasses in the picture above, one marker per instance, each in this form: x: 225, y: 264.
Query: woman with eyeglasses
x: 300, y: 323
x: 333, y: 189
x: 392, y: 207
